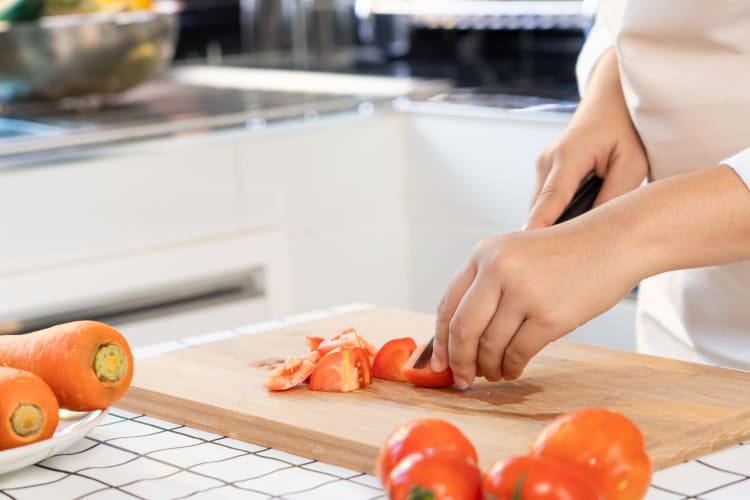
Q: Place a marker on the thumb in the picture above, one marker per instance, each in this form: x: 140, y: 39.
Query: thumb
x: 556, y: 193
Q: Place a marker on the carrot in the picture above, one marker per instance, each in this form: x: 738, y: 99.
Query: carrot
x: 87, y: 364
x: 28, y: 408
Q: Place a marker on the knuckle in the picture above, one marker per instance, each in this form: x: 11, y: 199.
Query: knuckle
x: 443, y: 310
x: 457, y: 329
x: 514, y: 361
x: 543, y: 163
x: 549, y: 192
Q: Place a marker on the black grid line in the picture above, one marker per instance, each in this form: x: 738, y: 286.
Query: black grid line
x: 741, y: 480
x: 378, y: 494
x: 667, y: 490
x: 720, y: 469
x: 107, y: 489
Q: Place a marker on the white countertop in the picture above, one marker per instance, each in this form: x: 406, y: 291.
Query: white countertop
x: 136, y: 456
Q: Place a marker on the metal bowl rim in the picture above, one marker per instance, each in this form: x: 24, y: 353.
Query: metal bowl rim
x: 161, y: 9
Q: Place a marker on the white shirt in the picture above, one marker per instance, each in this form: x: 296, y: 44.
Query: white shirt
x: 597, y: 42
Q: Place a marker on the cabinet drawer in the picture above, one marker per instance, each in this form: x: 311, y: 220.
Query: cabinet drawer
x: 121, y: 200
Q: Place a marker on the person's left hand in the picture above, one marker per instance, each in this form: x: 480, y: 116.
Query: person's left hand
x: 520, y: 291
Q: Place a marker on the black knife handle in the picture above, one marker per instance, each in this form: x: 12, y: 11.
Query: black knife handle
x: 584, y: 198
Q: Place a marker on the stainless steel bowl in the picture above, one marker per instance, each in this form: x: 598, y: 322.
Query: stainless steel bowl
x: 85, y: 55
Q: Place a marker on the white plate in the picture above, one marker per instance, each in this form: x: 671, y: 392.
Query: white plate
x: 72, y: 427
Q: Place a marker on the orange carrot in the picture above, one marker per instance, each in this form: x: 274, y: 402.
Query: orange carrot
x: 28, y: 408
x: 87, y: 364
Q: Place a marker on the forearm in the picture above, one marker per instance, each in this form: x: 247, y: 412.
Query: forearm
x: 691, y: 220
x: 604, y: 87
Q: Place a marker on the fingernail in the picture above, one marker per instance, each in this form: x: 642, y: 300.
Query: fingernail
x: 525, y: 226
x: 435, y: 364
x: 460, y: 383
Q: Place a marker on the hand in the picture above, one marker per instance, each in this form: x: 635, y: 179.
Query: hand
x: 520, y: 291
x: 599, y: 137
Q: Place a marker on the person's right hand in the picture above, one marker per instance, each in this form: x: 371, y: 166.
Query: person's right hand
x: 599, y: 137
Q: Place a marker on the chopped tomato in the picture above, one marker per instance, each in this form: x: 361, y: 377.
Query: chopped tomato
x: 347, y: 339
x: 438, y: 476
x: 391, y: 358
x: 313, y: 342
x: 425, y: 377
x: 605, y: 446
x: 291, y: 372
x: 538, y: 478
x: 372, y: 351
x: 341, y: 370
x: 419, y: 435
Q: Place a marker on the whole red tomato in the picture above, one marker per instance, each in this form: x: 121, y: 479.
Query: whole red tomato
x: 605, y: 446
x: 431, y: 475
x: 420, y: 435
x: 536, y: 478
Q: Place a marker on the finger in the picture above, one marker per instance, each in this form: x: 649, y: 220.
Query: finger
x: 557, y: 191
x: 496, y: 337
x: 543, y: 166
x: 447, y: 306
x: 623, y: 176
x: 530, y: 338
x: 472, y: 316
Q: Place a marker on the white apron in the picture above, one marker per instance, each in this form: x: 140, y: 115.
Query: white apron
x: 685, y: 68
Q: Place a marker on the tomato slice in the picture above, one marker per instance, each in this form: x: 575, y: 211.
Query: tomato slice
x: 391, y: 358
x: 347, y: 339
x: 371, y: 350
x: 291, y: 372
x: 425, y: 377
x: 313, y: 342
x: 341, y: 370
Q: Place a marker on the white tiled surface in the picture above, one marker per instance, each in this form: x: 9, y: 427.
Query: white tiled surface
x: 136, y: 456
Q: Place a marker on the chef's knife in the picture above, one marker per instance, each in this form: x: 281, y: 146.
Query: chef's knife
x: 582, y: 202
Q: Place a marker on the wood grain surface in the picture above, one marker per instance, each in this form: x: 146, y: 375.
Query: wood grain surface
x: 684, y: 410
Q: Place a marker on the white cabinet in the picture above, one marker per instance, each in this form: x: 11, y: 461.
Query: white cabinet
x: 161, y: 219
x: 342, y: 182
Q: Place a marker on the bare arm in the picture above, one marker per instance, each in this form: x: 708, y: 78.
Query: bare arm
x: 696, y: 219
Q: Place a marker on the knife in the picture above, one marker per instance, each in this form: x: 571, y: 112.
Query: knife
x: 582, y: 201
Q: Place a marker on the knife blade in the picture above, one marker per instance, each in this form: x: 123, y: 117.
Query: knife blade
x: 582, y: 201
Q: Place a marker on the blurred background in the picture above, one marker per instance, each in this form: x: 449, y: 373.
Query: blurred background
x: 180, y: 167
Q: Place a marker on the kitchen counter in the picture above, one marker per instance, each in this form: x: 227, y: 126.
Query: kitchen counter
x: 194, y: 100
x: 136, y: 456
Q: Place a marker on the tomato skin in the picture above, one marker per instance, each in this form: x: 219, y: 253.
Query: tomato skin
x: 425, y: 377
x: 543, y: 479
x: 341, y: 370
x: 419, y: 435
x: 391, y: 358
x: 313, y: 342
x: 448, y: 476
x: 604, y: 446
x: 291, y: 372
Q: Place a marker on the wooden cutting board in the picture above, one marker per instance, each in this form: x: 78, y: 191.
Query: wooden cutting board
x: 684, y: 410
